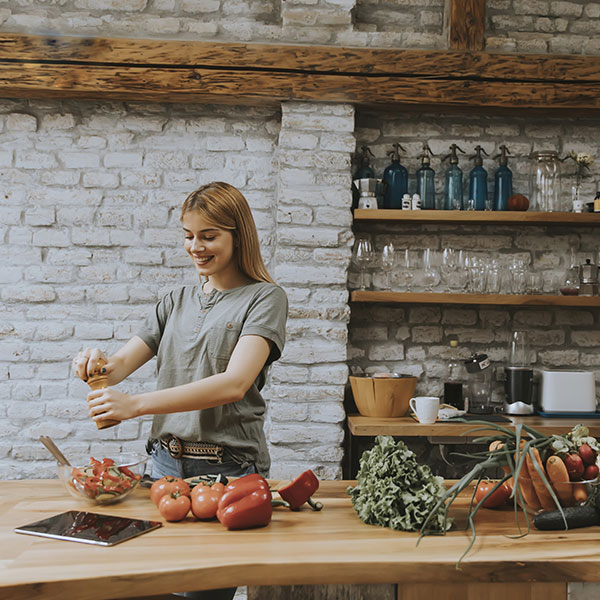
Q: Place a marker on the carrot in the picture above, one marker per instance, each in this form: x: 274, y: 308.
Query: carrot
x: 538, y: 483
x: 559, y: 478
x: 580, y: 492
x: 526, y: 487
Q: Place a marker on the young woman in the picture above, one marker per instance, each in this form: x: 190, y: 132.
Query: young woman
x: 213, y: 343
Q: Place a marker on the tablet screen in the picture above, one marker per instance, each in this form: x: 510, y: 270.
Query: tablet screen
x: 89, y: 528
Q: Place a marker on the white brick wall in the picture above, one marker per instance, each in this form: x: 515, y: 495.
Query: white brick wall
x: 306, y: 410
x: 83, y: 265
x: 537, y: 26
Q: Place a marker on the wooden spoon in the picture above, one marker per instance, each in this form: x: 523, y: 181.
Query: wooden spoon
x: 53, y: 449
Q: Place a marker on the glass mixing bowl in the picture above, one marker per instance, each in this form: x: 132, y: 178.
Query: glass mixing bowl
x: 103, y: 481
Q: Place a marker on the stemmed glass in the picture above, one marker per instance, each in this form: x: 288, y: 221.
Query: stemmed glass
x: 431, y: 276
x: 388, y: 261
x: 408, y: 269
x: 362, y: 256
x: 448, y: 267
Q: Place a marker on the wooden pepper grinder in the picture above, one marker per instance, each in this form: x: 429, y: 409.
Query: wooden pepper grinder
x: 97, y: 382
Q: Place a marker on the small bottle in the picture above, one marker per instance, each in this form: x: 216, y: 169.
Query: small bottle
x: 478, y: 188
x: 453, y: 187
x: 426, y: 179
x: 453, y: 386
x: 597, y: 202
x: 502, y: 181
x: 406, y: 202
x: 416, y: 202
x: 395, y: 178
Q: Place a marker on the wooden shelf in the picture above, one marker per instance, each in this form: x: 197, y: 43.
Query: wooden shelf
x: 478, y: 217
x: 490, y: 299
x: 407, y: 427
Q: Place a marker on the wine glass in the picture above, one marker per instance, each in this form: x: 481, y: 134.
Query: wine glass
x: 362, y: 256
x: 431, y: 275
x: 408, y: 269
x: 448, y: 267
x: 388, y: 261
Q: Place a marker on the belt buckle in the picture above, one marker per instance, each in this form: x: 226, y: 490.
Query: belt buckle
x: 175, y: 447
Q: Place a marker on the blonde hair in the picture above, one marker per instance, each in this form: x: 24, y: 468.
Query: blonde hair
x: 224, y: 206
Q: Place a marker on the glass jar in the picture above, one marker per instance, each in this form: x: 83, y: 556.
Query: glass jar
x: 544, y: 181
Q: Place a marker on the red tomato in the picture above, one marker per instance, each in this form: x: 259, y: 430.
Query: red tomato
x: 205, y: 500
x: 588, y: 455
x: 591, y: 472
x: 168, y: 485
x: 498, y: 498
x: 174, y: 507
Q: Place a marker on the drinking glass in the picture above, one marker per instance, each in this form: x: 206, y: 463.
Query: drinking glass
x: 550, y: 285
x: 448, y: 267
x: 431, y: 275
x: 362, y: 255
x: 388, y: 261
x: 492, y: 282
x: 408, y: 269
x: 506, y: 285
x: 477, y: 274
x: 519, y: 276
x: 534, y: 283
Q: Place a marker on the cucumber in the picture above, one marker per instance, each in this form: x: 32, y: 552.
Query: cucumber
x: 576, y: 516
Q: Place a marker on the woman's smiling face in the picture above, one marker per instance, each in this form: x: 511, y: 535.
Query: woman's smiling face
x: 210, y: 248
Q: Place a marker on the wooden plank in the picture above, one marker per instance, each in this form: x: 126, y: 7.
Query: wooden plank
x: 223, y: 86
x: 483, y: 591
x: 407, y: 427
x: 478, y: 217
x: 466, y: 26
x: 255, y: 74
x: 478, y: 299
x: 372, y: 62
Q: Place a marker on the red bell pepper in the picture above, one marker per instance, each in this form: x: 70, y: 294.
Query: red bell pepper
x: 300, y: 491
x: 246, y: 503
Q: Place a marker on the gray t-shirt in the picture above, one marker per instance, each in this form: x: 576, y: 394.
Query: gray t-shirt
x: 193, y: 335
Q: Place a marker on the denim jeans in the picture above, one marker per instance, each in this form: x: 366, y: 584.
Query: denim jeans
x: 164, y: 464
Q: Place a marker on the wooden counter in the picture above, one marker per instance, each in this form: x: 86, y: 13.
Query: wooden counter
x: 305, y: 547
x: 408, y: 427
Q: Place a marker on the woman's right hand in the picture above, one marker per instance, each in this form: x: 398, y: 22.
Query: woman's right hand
x: 91, y: 361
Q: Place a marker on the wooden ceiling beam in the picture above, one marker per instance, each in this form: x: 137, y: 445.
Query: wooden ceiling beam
x: 466, y: 25
x: 168, y: 71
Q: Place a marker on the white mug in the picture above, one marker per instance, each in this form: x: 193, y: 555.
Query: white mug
x: 426, y: 408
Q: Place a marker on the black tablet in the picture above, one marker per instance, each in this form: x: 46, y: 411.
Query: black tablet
x: 89, y: 528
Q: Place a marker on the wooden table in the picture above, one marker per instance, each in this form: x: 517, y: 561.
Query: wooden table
x: 305, y: 547
x: 447, y: 433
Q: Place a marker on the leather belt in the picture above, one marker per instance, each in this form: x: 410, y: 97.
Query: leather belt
x: 179, y: 448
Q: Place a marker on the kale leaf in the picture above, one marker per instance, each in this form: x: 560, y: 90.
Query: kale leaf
x: 395, y: 491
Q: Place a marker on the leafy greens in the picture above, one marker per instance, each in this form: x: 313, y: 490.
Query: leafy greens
x: 395, y: 491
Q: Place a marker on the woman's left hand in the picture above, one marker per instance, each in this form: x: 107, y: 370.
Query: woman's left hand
x: 109, y: 403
